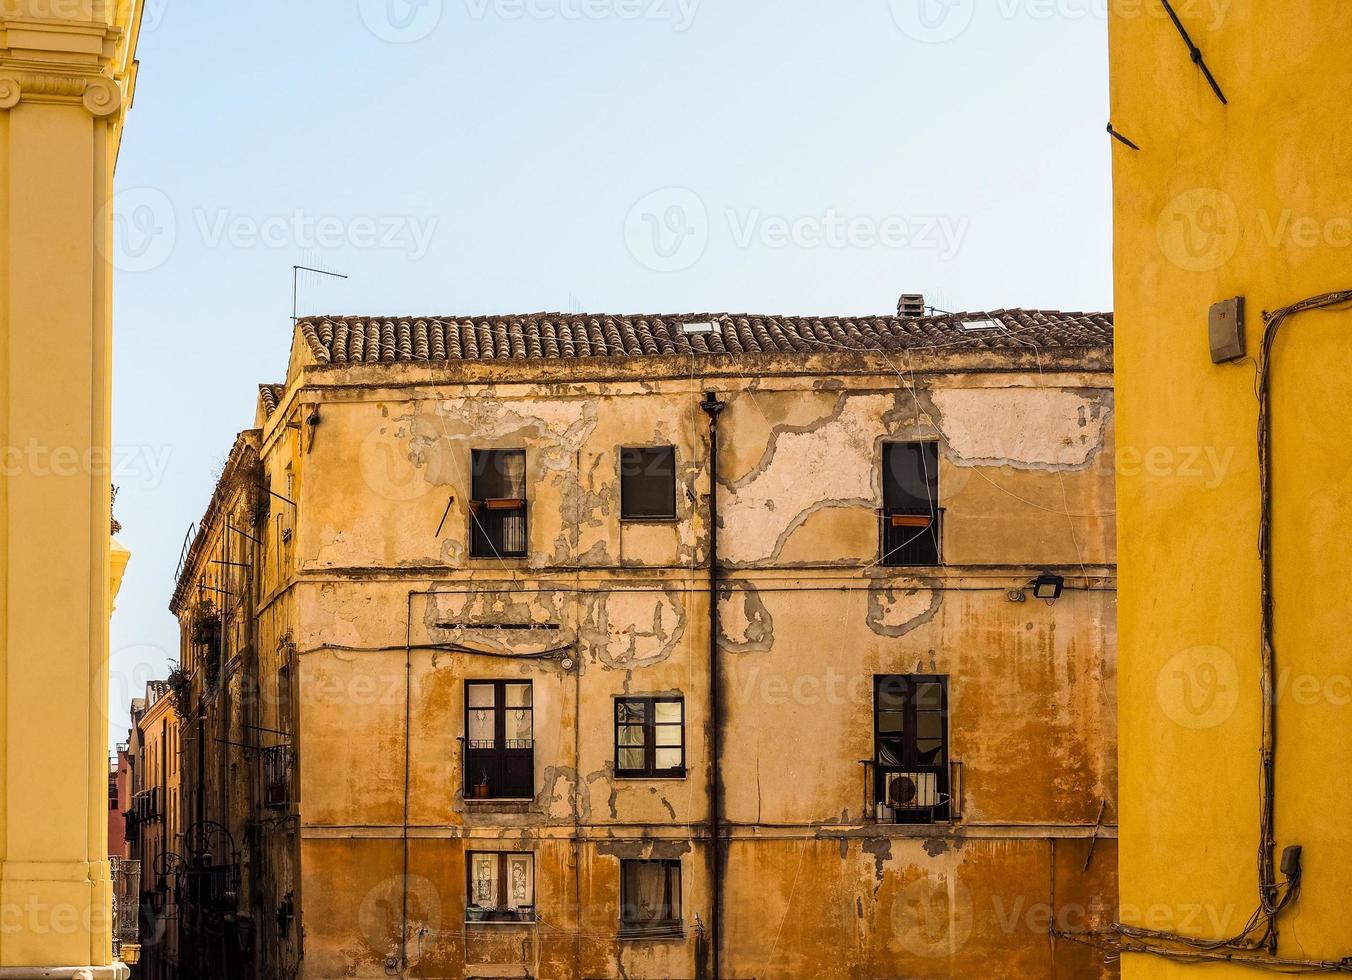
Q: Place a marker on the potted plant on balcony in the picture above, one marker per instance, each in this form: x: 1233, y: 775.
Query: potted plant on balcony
x: 475, y: 913
x: 481, y: 787
x: 180, y: 689
x: 206, y: 624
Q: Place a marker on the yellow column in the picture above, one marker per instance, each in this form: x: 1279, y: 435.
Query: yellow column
x: 66, y: 74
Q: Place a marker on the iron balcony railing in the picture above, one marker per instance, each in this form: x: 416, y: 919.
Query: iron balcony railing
x: 126, y: 881
x: 498, y: 529
x: 277, y: 772
x: 500, y: 770
x: 914, y: 795
x: 146, y: 805
x: 911, y: 538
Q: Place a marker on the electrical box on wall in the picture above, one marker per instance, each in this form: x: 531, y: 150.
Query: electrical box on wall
x: 1225, y: 326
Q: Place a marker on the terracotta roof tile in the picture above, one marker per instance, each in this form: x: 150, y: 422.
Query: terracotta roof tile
x: 272, y: 396
x: 543, y: 336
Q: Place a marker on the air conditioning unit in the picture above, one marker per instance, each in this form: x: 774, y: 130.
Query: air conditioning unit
x: 913, y: 790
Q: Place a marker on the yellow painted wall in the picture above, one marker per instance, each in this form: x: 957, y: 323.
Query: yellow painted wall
x: 1251, y: 199
x: 65, y: 81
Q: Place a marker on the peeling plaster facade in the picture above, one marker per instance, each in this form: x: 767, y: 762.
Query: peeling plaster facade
x: 371, y: 595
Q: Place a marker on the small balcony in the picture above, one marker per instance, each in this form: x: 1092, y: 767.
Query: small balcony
x: 277, y: 770
x: 145, y: 805
x: 500, y: 769
x: 498, y: 529
x: 911, y: 538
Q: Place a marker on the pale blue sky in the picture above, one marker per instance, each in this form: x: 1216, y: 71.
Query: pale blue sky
x: 486, y: 156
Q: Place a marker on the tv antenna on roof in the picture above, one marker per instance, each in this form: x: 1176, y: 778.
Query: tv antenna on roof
x: 296, y: 270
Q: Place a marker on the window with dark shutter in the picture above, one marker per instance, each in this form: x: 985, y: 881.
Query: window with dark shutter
x: 497, y: 512
x: 650, y: 898
x: 912, y: 520
x: 650, y: 738
x: 648, y: 484
x: 911, y: 764
x: 499, y: 740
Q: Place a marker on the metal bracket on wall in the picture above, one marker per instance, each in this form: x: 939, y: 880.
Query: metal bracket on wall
x: 1195, y: 52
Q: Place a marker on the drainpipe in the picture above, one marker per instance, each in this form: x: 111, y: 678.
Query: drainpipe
x: 713, y: 407
x: 408, y: 736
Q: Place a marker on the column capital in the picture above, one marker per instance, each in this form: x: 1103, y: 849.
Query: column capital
x: 99, y: 94
x: 69, y: 51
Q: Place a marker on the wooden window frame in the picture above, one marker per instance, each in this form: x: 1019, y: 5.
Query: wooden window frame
x: 627, y: 514
x: 502, y: 912
x: 904, y: 524
x: 500, y: 752
x: 650, y: 724
x: 481, y: 543
x: 910, y: 751
x: 673, y: 924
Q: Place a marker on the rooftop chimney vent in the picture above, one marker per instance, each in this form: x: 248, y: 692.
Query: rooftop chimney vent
x: 911, y: 306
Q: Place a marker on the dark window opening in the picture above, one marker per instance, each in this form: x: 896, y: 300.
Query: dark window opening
x: 499, y: 887
x: 499, y: 740
x: 650, y: 738
x: 277, y: 770
x: 648, y: 484
x: 911, y: 764
x: 284, y: 697
x: 912, y: 521
x: 497, y: 512
x: 650, y: 898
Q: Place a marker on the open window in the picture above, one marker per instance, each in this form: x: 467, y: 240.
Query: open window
x: 650, y: 738
x: 912, y: 521
x: 650, y: 898
x: 498, y: 509
x: 500, y: 887
x: 910, y: 763
x: 499, y: 740
x: 648, y: 484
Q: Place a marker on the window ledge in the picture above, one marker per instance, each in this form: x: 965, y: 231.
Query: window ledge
x: 654, y: 934
x: 499, y: 923
x: 499, y: 806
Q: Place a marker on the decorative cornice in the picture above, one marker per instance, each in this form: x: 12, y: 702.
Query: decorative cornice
x: 99, y: 94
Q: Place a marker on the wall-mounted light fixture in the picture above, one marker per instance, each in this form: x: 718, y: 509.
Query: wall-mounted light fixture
x: 1049, y: 587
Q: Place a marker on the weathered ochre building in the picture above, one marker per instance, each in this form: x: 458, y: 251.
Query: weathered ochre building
x: 459, y: 575
x: 1235, y: 685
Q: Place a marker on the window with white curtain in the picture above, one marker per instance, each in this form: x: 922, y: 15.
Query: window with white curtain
x: 501, y: 887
